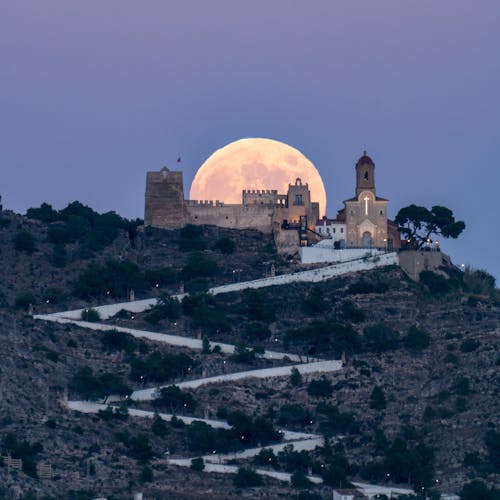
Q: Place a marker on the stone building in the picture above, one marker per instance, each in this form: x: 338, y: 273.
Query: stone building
x: 292, y: 216
x: 363, y: 222
x: 264, y: 210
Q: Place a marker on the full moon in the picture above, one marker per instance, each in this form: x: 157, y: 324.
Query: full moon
x: 255, y: 163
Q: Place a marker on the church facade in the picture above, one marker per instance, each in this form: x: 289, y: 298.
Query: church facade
x: 293, y: 217
x: 363, y: 222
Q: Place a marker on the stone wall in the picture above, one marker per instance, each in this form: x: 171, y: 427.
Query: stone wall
x: 164, y: 204
x: 414, y: 262
x: 258, y: 217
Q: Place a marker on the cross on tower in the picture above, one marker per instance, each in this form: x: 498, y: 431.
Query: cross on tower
x: 366, y: 204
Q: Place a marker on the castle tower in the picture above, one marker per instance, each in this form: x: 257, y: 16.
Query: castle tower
x: 165, y: 206
x: 365, y: 174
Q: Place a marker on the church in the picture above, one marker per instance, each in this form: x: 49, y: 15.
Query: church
x: 292, y: 217
x: 363, y: 222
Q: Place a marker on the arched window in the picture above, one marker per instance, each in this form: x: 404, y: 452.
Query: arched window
x: 366, y: 175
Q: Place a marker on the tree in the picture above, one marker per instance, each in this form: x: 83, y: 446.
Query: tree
x: 477, y: 489
x: 377, y: 399
x: 197, y: 464
x: 24, y: 242
x: 295, y: 377
x: 320, y: 388
x: 245, y: 478
x: 418, y: 223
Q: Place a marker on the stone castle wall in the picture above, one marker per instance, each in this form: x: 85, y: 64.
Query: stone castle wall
x: 258, y: 217
x: 260, y: 209
x: 164, y: 204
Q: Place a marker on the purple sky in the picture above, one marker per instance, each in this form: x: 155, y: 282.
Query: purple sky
x: 94, y: 94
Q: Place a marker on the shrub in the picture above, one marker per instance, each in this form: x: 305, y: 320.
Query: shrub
x: 115, y: 278
x: 113, y: 340
x: 167, y: 307
x: 140, y: 449
x: 320, y: 388
x: 351, y: 312
x: 175, y: 399
x: 197, y: 464
x: 333, y: 421
x: 377, y: 399
x: 24, y: 300
x: 191, y: 238
x: 436, y: 283
x: 300, y: 480
x: 479, y: 281
x: 196, y: 286
x: 45, y: 213
x: 243, y: 354
x: 476, y: 489
x: 95, y: 387
x: 199, y: 265
x: 247, y: 478
x: 4, y: 222
x: 90, y: 315
x: 256, y: 308
x: 293, y: 460
x: 24, y: 242
x: 416, y: 339
x: 321, y: 336
x: 469, y: 345
x: 315, y: 301
x: 363, y: 286
x: 294, y: 414
x: 59, y: 258
x: 159, y: 427
x: 492, y: 441
x: 257, y: 331
x: 161, y: 276
x: 146, y: 475
x: 380, y: 338
x: 225, y: 246
x: 266, y: 456
x: 472, y: 459
x: 53, y: 295
x: 462, y: 385
x: 160, y: 367
x: 295, y: 377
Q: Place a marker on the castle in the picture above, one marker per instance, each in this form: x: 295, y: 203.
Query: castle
x: 293, y: 218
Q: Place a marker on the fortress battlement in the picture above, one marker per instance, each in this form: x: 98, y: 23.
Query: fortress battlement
x: 204, y: 203
x: 260, y: 191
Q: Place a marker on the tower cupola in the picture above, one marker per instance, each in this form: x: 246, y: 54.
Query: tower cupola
x: 365, y: 174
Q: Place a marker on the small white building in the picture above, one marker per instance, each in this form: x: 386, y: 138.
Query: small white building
x: 332, y: 229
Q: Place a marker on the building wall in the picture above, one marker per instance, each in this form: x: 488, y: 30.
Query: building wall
x: 164, y: 204
x: 255, y: 216
x: 259, y: 197
x: 366, y: 215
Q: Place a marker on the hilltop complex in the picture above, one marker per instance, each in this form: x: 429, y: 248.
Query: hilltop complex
x: 292, y: 217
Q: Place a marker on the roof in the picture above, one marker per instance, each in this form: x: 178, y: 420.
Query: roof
x: 364, y: 160
x: 377, y: 198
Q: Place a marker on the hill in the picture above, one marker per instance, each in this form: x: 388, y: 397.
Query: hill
x: 415, y: 404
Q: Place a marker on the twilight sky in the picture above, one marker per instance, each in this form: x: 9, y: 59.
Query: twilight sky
x: 95, y: 93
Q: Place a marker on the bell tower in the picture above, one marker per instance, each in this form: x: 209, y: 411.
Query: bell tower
x: 365, y: 174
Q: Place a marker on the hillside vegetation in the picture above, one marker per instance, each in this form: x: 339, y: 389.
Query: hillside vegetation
x: 417, y: 402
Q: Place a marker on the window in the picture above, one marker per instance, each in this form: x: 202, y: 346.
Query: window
x: 298, y: 199
x: 341, y: 229
x: 381, y: 212
x: 333, y: 230
x: 366, y: 175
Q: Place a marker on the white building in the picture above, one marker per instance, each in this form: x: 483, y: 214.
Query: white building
x: 332, y: 229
